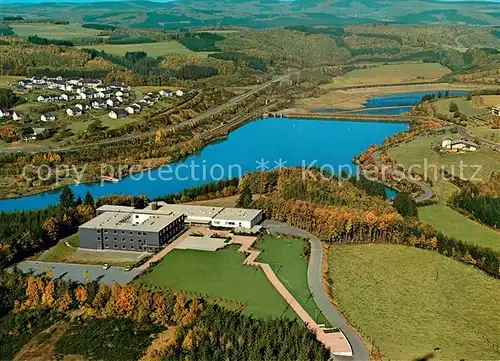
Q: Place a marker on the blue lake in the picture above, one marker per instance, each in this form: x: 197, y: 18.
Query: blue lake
x: 289, y: 142
x: 407, y: 98
x: 388, y: 111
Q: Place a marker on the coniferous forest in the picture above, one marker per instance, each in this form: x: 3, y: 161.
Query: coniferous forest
x: 125, y: 323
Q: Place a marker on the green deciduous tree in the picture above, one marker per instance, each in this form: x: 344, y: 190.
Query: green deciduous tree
x: 453, y: 107
x: 7, y: 98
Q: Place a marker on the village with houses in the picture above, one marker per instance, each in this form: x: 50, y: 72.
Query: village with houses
x: 76, y: 97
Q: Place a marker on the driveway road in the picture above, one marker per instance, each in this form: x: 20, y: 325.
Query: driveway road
x: 315, y: 281
x: 75, y: 271
x: 428, y: 194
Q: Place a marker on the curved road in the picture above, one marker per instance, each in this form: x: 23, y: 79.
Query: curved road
x: 315, y: 281
x: 428, y: 194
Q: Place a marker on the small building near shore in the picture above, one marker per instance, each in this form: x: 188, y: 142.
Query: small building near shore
x: 450, y: 145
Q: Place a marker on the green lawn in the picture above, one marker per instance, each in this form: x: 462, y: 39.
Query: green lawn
x: 64, y: 254
x: 420, y: 148
x: 52, y: 31
x: 464, y: 106
x: 153, y: 49
x: 285, y: 256
x: 454, y: 224
x: 413, y: 302
x: 444, y: 190
x: 221, y: 275
x: 81, y: 123
x: 60, y: 252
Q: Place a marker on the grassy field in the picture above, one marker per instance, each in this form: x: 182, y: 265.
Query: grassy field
x: 285, y: 256
x: 64, y: 254
x: 6, y: 80
x: 153, y: 49
x: 392, y: 73
x: 414, y: 153
x: 79, y: 124
x: 454, y: 224
x: 444, y: 190
x: 413, y: 303
x: 491, y: 100
x: 221, y: 275
x: 52, y: 31
x: 486, y: 132
x: 464, y: 106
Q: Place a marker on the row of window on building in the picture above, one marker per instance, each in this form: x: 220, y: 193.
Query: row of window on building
x: 131, y: 247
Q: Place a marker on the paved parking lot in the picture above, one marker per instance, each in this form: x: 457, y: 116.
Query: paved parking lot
x: 75, y: 271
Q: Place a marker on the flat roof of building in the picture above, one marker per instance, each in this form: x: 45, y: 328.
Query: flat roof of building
x: 237, y: 214
x: 189, y: 210
x: 124, y: 221
x: 167, y: 209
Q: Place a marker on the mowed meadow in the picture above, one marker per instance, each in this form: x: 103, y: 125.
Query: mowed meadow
x: 391, y: 74
x: 152, y: 49
x: 52, y: 31
x: 413, y: 303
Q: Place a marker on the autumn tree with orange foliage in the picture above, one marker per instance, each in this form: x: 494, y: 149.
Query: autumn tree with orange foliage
x: 81, y: 295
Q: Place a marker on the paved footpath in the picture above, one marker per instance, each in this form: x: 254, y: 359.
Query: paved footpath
x: 315, y: 281
x: 335, y: 342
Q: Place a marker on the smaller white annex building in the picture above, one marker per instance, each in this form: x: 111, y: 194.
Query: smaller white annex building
x: 197, y: 215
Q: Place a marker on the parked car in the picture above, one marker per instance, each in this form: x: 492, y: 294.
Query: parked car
x: 105, y: 266
x: 127, y: 268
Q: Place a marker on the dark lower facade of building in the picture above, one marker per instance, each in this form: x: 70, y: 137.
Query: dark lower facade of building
x: 137, y: 240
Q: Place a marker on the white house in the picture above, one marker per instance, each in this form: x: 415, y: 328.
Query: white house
x: 119, y: 99
x: 48, y: 98
x: 17, y: 115
x: 118, y: 113
x: 73, y: 111
x: 4, y: 113
x: 496, y: 110
x: 458, y: 145
x: 110, y: 102
x: 39, y: 80
x: 166, y: 93
x: 48, y: 117
x: 99, y: 104
x: 137, y: 107
x: 89, y: 83
x: 179, y: 93
x: 130, y: 110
